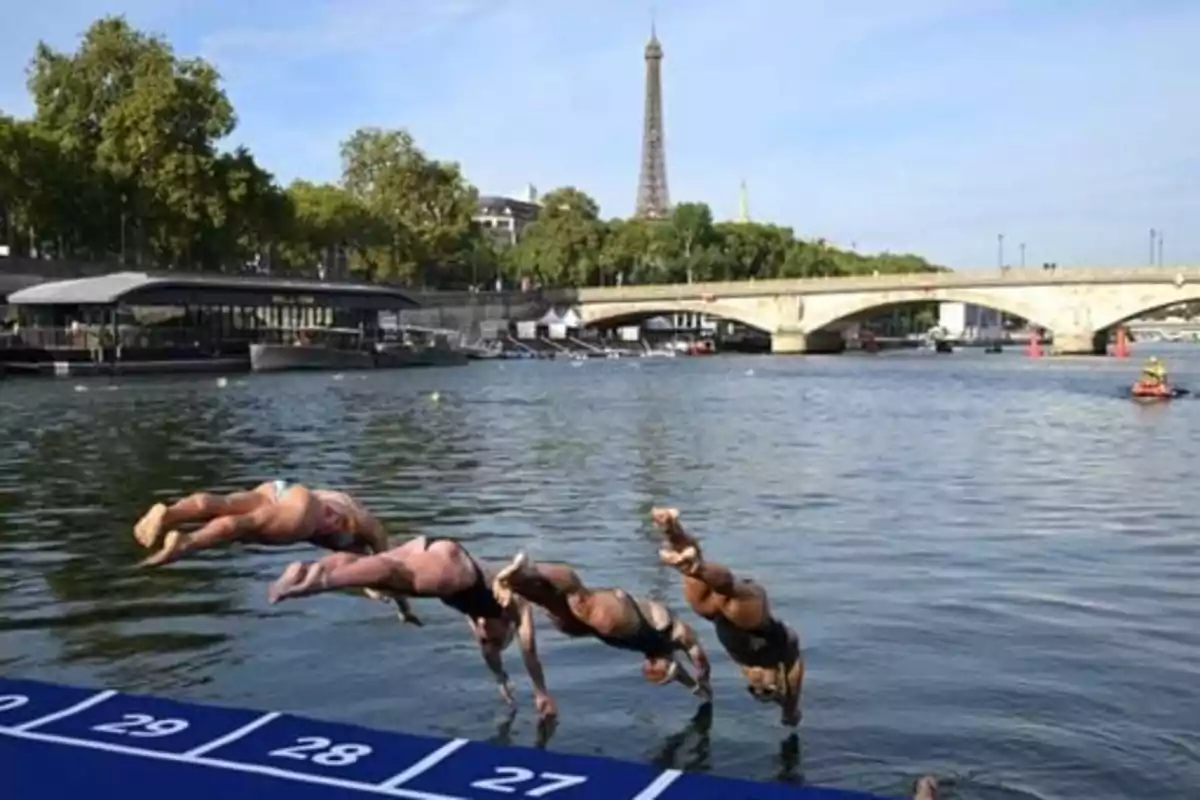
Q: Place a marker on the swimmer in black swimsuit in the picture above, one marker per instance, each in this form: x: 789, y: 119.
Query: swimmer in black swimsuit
x: 611, y: 615
x: 435, y: 568
x: 766, y: 650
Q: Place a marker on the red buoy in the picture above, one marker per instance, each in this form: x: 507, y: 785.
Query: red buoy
x: 1121, y: 348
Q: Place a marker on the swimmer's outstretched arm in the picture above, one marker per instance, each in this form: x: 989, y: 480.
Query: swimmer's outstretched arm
x: 686, y: 640
x: 535, y: 582
x: 683, y: 552
x: 493, y: 657
x: 527, y: 638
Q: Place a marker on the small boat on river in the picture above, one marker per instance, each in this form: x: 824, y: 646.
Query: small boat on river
x: 1155, y: 390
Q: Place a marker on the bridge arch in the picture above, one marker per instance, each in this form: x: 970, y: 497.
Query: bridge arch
x: 824, y: 315
x: 1138, y: 305
x: 616, y: 314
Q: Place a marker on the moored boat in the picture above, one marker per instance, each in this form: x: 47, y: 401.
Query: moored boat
x: 348, y: 349
x: 421, y: 347
x: 313, y: 348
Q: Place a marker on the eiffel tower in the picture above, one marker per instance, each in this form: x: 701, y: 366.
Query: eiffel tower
x: 653, y: 201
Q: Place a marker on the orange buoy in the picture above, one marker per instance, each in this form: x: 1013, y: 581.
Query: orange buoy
x: 1121, y: 348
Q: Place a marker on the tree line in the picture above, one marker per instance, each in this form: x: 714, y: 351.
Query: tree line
x: 122, y: 163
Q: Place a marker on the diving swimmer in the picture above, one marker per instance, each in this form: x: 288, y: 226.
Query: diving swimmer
x: 434, y: 568
x: 272, y: 513
x: 765, y: 649
x: 613, y: 616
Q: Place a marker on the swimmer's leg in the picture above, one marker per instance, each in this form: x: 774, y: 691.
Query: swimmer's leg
x: 342, y: 571
x: 197, y: 507
x: 222, y: 530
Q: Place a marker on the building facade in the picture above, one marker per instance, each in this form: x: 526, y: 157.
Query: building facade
x: 968, y: 321
x: 504, y: 219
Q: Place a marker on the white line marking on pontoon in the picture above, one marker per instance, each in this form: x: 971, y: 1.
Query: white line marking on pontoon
x: 424, y: 764
x: 658, y: 785
x: 95, y: 699
x: 217, y: 763
x: 233, y: 736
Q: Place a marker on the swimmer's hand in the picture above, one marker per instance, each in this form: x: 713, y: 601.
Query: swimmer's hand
x: 502, y: 585
x: 507, y: 692
x: 406, y: 613
x: 546, y: 707
x: 686, y: 561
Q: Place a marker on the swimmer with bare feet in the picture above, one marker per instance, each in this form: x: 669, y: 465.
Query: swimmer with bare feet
x: 766, y: 650
x: 272, y: 513
x: 434, y: 568
x: 611, y: 615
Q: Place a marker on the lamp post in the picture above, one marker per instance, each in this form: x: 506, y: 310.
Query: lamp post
x: 1153, y: 235
x: 1000, y: 250
x: 1022, y: 255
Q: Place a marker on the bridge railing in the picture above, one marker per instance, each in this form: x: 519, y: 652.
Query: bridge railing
x: 910, y: 280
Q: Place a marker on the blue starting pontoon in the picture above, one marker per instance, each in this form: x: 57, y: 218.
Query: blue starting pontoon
x: 67, y: 743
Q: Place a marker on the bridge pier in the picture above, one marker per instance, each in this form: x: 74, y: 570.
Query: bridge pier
x: 1086, y: 343
x: 790, y: 342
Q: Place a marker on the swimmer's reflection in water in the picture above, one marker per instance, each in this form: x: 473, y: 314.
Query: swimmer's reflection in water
x: 543, y: 732
x: 697, y: 757
x: 791, y: 760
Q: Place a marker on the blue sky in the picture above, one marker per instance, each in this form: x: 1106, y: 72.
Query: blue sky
x: 927, y: 126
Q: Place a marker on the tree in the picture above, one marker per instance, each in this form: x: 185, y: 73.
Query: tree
x: 563, y: 247
x: 331, y: 229
x: 146, y: 122
x: 427, y: 205
x: 122, y: 160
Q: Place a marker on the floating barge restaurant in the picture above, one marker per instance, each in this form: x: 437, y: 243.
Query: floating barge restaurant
x: 136, y: 322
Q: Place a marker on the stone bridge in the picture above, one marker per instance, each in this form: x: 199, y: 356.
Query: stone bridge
x: 1079, y: 305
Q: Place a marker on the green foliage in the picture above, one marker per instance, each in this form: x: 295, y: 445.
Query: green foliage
x: 122, y: 161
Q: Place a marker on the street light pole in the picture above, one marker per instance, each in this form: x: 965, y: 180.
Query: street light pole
x: 1022, y: 255
x: 1000, y: 250
x: 1160, y: 241
x: 1153, y: 235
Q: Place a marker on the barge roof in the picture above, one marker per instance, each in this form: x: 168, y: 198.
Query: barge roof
x: 179, y: 289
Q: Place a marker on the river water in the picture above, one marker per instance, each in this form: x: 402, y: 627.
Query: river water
x: 992, y: 561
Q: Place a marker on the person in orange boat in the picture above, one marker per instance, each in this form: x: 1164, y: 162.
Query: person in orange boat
x: 766, y: 650
x: 435, y: 568
x: 615, y: 617
x: 1154, y: 373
